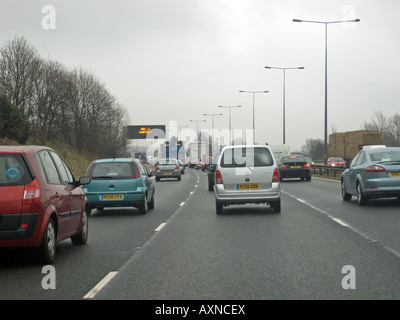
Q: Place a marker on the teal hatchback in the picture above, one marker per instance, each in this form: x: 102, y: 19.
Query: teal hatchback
x: 119, y: 182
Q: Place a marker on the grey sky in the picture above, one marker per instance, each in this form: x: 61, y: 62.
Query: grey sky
x: 173, y: 60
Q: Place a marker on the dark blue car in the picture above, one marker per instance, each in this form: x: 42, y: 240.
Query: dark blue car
x: 373, y: 173
x: 120, y: 182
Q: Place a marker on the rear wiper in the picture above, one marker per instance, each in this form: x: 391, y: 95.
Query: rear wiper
x: 102, y: 177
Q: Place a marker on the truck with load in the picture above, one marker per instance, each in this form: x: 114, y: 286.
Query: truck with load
x: 347, y: 144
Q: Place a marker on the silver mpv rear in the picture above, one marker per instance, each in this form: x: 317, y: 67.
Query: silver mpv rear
x: 247, y: 174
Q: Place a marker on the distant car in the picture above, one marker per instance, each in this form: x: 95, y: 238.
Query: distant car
x: 336, y: 162
x: 119, y: 182
x: 294, y: 166
x: 181, y: 165
x: 373, y: 173
x: 167, y: 168
x: 247, y: 174
x: 211, y: 176
x: 41, y: 203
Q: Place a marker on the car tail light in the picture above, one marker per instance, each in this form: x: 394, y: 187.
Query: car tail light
x: 137, y: 170
x: 31, y: 193
x: 176, y: 167
x: 284, y: 166
x: 157, y: 168
x: 307, y: 165
x: 218, y: 177
x: 375, y: 168
x: 275, y: 177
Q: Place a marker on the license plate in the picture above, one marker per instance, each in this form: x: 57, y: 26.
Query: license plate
x: 250, y: 186
x: 295, y: 167
x: 394, y: 174
x: 112, y: 197
x: 167, y: 173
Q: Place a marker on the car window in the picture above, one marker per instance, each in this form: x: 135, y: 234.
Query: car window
x: 360, y: 159
x: 385, y: 156
x: 13, y: 170
x: 288, y: 159
x: 47, y: 167
x: 167, y: 161
x: 246, y: 157
x: 143, y: 169
x: 66, y: 175
x: 353, y: 162
x: 113, y: 170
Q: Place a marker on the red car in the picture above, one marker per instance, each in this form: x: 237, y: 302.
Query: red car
x: 336, y: 162
x: 41, y: 203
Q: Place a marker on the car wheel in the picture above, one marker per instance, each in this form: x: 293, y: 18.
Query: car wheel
x: 345, y: 196
x: 46, y: 252
x: 210, y: 186
x: 82, y: 237
x: 151, y: 204
x: 361, y: 199
x: 143, y: 206
x: 219, y: 208
x: 179, y: 178
x: 276, y: 206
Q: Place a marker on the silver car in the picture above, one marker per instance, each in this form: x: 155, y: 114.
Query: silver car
x: 168, y: 168
x: 247, y: 174
x: 373, y: 173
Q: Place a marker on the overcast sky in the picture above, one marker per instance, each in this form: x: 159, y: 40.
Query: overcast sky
x: 173, y: 60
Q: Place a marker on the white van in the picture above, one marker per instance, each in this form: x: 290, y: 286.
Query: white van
x: 247, y: 174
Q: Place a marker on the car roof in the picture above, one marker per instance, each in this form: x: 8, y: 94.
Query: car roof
x: 114, y: 160
x: 376, y: 149
x: 31, y: 149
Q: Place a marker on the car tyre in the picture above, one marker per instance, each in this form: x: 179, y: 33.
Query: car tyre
x: 143, y: 206
x: 210, y: 185
x: 82, y: 237
x: 46, y: 252
x: 276, y: 206
x: 362, y: 200
x: 151, y: 204
x: 219, y: 208
x: 345, y: 196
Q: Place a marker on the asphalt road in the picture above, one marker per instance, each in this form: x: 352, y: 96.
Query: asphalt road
x: 316, y: 248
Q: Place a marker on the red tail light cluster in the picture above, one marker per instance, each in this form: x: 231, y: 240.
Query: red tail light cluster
x: 375, y: 168
x: 176, y: 167
x: 307, y: 165
x: 218, y: 177
x: 31, y: 193
x: 275, y: 177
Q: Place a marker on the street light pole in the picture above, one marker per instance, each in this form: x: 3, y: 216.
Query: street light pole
x: 213, y: 116
x: 254, y: 119
x: 230, y: 123
x: 284, y: 96
x: 326, y: 74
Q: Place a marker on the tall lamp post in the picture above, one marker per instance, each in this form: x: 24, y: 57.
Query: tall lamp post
x: 254, y: 119
x: 326, y: 74
x: 284, y: 96
x: 213, y: 115
x: 230, y: 123
x: 197, y: 126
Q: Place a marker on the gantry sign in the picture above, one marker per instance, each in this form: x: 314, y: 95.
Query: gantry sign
x: 146, y: 132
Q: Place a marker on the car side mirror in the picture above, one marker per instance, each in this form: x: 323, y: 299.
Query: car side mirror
x: 84, y: 180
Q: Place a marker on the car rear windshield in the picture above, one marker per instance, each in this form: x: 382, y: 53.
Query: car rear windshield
x: 385, y: 156
x: 113, y: 170
x: 13, y: 170
x: 167, y: 161
x: 292, y: 159
x: 246, y: 157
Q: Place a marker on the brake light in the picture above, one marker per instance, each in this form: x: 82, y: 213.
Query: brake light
x: 31, y: 193
x: 284, y: 166
x: 176, y: 167
x: 307, y: 165
x: 375, y: 168
x: 137, y: 170
x: 158, y: 168
x: 275, y: 177
x: 218, y: 177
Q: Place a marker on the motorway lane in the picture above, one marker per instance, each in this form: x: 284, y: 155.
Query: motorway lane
x: 252, y: 253
x: 114, y: 236
x: 379, y: 221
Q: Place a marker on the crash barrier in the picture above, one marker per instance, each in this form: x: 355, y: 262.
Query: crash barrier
x: 326, y: 170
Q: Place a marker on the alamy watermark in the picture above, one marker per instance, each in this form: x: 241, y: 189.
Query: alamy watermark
x: 49, y: 17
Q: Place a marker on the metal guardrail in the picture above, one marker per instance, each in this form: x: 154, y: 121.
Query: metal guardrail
x: 327, y: 171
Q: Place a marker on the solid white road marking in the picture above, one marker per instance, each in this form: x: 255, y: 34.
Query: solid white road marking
x: 100, y: 285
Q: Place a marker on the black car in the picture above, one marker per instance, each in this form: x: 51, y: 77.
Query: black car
x: 294, y: 166
x: 211, y: 174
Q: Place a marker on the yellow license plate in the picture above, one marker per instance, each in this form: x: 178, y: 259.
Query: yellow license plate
x: 295, y: 167
x: 112, y: 197
x: 250, y: 186
x: 394, y: 174
x: 167, y: 173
